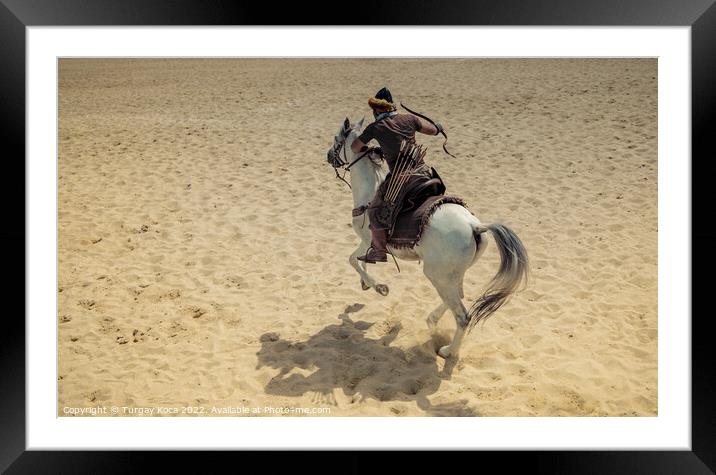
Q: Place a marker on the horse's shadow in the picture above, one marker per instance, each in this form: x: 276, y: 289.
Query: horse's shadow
x: 342, y: 357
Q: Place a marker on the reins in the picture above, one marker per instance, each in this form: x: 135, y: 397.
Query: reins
x: 356, y: 160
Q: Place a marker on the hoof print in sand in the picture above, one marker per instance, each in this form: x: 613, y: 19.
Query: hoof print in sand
x: 195, y: 312
x: 87, y: 304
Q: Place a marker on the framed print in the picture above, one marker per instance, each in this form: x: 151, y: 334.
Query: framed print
x: 192, y: 276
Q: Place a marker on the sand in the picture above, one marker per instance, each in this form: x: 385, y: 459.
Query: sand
x: 204, y: 240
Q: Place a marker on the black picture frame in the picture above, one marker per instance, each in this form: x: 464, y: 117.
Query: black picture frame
x: 16, y: 15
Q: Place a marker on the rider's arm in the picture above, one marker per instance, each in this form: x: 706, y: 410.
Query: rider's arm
x: 357, y: 146
x: 427, y: 128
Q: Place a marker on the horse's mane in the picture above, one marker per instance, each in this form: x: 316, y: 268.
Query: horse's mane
x: 375, y: 160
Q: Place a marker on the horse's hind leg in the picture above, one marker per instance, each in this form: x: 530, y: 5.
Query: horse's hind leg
x: 435, y: 316
x: 460, y: 312
x: 449, y: 287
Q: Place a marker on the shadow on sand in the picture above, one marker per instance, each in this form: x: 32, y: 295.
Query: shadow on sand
x: 342, y: 357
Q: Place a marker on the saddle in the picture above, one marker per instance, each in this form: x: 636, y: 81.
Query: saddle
x: 419, y: 201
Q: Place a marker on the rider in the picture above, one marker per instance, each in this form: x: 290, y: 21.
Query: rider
x: 389, y: 128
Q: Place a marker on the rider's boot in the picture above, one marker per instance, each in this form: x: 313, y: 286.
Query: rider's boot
x: 377, y: 250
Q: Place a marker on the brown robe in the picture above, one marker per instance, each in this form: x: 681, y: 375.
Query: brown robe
x: 390, y: 133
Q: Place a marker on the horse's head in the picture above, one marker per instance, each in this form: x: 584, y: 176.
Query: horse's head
x: 340, y: 152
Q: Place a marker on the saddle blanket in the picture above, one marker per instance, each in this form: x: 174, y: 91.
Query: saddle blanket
x: 410, y: 223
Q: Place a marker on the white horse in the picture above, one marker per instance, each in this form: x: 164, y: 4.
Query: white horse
x: 450, y: 243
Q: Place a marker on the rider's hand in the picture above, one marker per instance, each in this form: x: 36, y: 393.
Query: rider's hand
x: 439, y: 127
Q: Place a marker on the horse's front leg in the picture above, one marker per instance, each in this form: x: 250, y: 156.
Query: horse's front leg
x: 360, y: 226
x: 366, y: 281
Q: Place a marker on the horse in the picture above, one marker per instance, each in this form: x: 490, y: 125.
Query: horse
x: 450, y: 243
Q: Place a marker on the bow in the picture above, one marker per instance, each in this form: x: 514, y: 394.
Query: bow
x: 431, y: 121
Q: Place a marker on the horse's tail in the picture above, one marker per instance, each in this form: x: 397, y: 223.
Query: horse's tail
x: 514, y: 269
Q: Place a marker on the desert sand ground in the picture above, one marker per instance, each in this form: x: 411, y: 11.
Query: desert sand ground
x: 203, y: 238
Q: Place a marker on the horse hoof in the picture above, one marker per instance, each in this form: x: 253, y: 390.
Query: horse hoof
x: 382, y: 289
x: 444, y: 351
x: 363, y: 285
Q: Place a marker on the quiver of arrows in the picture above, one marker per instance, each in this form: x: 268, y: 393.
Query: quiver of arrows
x: 409, y: 157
